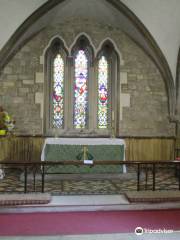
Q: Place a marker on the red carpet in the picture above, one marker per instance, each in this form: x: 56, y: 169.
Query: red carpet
x: 86, y: 222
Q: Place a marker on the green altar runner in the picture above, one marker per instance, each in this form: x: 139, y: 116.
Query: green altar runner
x: 64, y: 149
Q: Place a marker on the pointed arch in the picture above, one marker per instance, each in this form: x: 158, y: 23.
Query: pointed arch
x: 178, y: 85
x: 17, y: 40
x: 110, y: 42
x: 88, y: 40
x: 83, y: 42
x: 108, y: 85
x: 52, y: 41
x: 82, y: 54
x: 55, y: 73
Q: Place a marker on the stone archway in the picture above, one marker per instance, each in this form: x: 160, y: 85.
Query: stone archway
x: 21, y: 36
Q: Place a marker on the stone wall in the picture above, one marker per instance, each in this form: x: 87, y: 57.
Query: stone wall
x: 143, y: 97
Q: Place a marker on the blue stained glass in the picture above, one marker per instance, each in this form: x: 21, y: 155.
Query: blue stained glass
x: 80, y: 90
x: 58, y: 92
x: 102, y: 93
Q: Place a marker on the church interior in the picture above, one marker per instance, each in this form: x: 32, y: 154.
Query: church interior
x: 90, y: 119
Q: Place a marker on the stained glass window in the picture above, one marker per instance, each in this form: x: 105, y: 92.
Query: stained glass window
x: 102, y: 93
x: 58, y: 92
x: 80, y: 90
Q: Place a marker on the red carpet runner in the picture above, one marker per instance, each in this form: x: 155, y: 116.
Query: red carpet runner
x: 86, y: 222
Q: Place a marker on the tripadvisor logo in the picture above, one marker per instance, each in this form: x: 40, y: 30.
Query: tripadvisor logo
x: 139, y: 231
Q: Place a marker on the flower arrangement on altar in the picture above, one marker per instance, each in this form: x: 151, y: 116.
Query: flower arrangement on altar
x: 6, y: 122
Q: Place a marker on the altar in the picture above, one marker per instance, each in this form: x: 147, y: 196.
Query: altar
x: 84, y: 149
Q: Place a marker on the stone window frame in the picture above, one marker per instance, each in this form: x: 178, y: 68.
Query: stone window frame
x: 106, y: 48
x: 56, y: 46
x: 82, y: 42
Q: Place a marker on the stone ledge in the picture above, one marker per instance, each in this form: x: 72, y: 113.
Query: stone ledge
x: 153, y: 196
x: 24, y: 199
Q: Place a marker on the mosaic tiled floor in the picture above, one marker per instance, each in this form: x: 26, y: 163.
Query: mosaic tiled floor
x: 165, y: 180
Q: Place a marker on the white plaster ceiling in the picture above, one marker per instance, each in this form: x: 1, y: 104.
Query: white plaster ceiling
x: 161, y: 18
x: 13, y: 13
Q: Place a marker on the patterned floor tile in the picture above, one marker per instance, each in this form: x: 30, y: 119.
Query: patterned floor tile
x: 165, y: 180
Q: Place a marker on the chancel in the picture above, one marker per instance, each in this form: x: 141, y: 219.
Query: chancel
x: 89, y: 116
